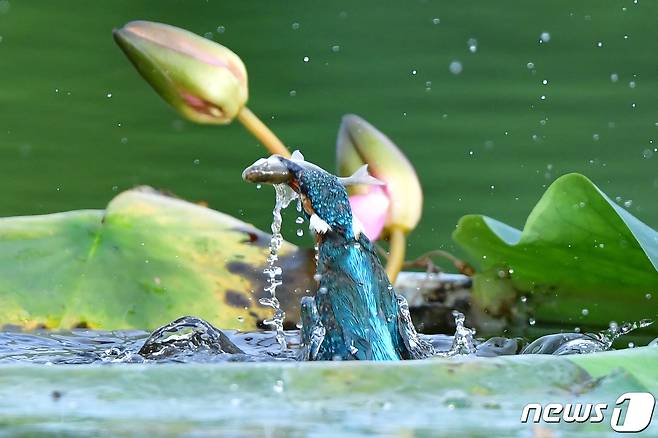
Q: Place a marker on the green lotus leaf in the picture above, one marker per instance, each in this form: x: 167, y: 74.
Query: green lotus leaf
x: 436, y: 397
x: 144, y: 261
x: 581, y: 260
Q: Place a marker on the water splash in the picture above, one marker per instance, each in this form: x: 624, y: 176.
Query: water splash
x: 607, y: 337
x: 190, y: 339
x: 463, y: 343
x: 284, y: 196
x: 583, y: 343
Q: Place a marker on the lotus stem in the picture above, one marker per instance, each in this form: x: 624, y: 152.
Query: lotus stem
x: 398, y: 244
x: 262, y: 132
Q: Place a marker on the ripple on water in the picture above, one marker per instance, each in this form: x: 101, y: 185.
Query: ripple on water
x: 191, y: 339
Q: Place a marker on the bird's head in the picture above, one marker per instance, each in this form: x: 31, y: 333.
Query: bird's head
x: 323, y: 195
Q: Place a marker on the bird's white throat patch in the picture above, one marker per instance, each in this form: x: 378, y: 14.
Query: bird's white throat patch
x: 318, y: 225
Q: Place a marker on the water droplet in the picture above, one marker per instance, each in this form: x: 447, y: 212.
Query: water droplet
x: 278, y: 386
x: 584, y: 312
x: 259, y: 186
x: 614, y: 77
x: 293, y: 93
x: 108, y: 95
x: 599, y: 44
x: 208, y: 35
x: 436, y: 20
x: 335, y: 48
x: 456, y: 67
x: 544, y: 37
x: 647, y: 153
x: 300, y: 232
x: 299, y: 220
x: 542, y: 97
x: 295, y: 26
x: 595, y: 137
x: 632, y: 84
x: 196, y: 161
x: 524, y: 299
x: 472, y: 45
x: 530, y: 65
x: 306, y: 59
x: 221, y: 29
x: 545, y: 82
x: 240, y: 318
x: 532, y: 321
x: 628, y: 203
x: 631, y: 345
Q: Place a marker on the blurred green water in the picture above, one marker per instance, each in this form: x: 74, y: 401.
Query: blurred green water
x: 77, y: 123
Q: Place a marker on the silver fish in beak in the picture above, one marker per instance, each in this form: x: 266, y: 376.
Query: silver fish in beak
x: 272, y: 170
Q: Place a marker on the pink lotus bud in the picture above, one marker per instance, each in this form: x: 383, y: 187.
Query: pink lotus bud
x: 361, y: 143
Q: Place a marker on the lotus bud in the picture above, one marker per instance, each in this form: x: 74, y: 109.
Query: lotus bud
x: 204, y: 81
x: 361, y: 143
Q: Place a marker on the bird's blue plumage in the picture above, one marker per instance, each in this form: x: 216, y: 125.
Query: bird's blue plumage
x: 327, y: 196
x: 356, y: 313
x: 356, y: 302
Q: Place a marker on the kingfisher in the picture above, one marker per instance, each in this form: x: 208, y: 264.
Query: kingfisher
x: 355, y: 314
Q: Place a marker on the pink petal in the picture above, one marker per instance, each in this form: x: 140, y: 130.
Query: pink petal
x: 371, y: 209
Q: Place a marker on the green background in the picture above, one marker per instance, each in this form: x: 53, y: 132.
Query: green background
x: 64, y: 144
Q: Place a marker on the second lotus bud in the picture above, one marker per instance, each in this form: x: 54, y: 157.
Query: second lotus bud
x: 399, y: 203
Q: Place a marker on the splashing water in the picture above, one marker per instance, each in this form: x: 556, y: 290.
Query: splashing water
x: 607, y: 337
x: 462, y: 343
x: 284, y: 196
x: 583, y: 343
x: 190, y: 339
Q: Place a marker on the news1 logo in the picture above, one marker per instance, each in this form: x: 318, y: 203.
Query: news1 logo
x: 633, y: 412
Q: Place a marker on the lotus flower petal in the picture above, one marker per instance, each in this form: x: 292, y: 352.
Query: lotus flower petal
x: 371, y: 209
